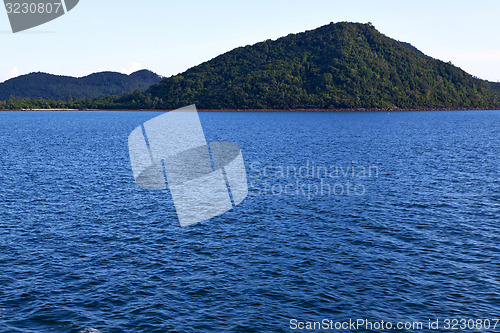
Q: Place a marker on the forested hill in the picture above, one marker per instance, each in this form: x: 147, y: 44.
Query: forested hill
x: 47, y: 86
x: 343, y: 65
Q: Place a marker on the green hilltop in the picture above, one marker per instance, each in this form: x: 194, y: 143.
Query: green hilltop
x: 337, y: 66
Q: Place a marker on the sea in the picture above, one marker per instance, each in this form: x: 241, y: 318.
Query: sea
x: 354, y: 222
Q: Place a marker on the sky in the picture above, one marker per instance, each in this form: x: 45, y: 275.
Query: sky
x: 169, y: 37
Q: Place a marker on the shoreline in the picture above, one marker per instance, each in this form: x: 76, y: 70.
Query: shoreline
x: 272, y: 110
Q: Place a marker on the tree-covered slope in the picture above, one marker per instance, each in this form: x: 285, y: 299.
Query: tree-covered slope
x: 343, y: 65
x: 47, y: 86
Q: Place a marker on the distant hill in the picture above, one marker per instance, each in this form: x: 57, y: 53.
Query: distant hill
x: 47, y: 86
x: 337, y: 66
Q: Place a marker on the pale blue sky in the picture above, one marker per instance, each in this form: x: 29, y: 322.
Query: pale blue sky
x: 168, y: 37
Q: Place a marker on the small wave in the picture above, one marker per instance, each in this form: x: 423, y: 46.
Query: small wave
x: 89, y: 330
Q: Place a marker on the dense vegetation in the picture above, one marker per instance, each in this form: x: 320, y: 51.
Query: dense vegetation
x: 130, y: 101
x: 337, y: 66
x: 343, y: 65
x: 63, y: 88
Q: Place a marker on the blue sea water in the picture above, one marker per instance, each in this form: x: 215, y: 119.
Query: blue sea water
x: 376, y: 216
